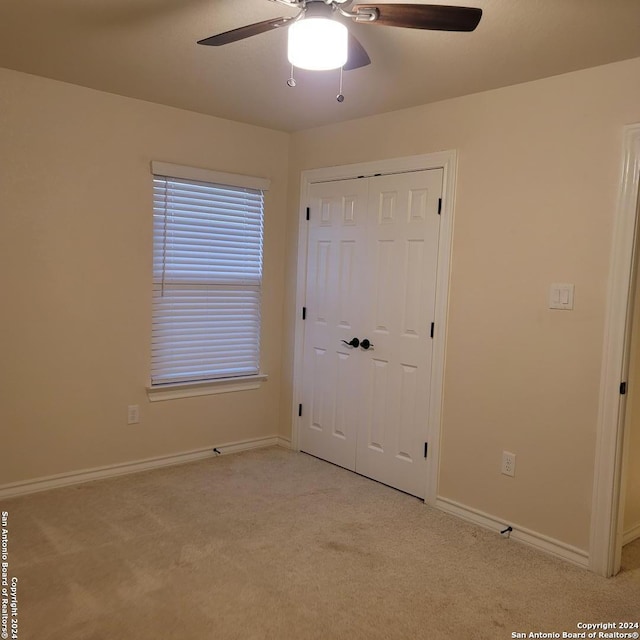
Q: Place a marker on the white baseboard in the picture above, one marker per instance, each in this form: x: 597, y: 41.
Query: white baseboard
x: 532, y: 538
x: 631, y: 534
x: 98, y: 473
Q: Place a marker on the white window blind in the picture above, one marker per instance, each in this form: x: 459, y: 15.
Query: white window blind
x: 207, y: 274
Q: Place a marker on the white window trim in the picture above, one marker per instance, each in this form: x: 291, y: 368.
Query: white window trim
x: 174, y: 391
x: 177, y: 390
x: 207, y: 175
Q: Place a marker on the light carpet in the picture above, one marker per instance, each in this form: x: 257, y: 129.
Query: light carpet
x: 275, y: 544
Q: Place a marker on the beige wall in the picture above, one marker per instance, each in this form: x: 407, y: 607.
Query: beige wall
x: 75, y: 265
x: 538, y: 172
x: 537, y: 182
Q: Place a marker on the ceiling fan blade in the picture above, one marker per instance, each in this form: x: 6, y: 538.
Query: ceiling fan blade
x: 357, y: 56
x: 422, y: 16
x: 244, y: 32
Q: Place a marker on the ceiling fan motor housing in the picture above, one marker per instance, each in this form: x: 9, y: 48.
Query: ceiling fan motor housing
x: 318, y: 9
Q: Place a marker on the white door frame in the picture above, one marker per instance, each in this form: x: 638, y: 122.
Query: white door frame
x: 609, y: 436
x: 446, y: 160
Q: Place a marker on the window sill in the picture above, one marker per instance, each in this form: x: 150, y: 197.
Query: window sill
x: 193, y: 389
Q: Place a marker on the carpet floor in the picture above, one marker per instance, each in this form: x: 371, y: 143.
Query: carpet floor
x: 275, y: 544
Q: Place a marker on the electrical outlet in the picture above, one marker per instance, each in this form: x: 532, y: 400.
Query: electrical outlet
x: 508, y: 463
x: 133, y: 414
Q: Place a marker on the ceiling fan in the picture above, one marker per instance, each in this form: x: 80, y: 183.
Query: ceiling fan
x: 318, y: 41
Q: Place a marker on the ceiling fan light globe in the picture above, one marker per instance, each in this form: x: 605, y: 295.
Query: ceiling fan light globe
x: 318, y: 44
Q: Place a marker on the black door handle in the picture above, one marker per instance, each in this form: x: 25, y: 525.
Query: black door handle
x: 354, y: 343
x: 365, y: 344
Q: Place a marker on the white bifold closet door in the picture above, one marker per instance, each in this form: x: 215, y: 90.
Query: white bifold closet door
x: 371, y: 275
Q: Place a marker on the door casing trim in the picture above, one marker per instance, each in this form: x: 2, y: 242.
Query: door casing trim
x: 606, y: 508
x: 446, y: 160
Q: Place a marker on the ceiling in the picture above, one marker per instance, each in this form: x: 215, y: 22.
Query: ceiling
x: 147, y: 49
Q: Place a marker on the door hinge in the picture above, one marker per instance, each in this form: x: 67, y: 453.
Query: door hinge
x: 299, y: 410
x: 426, y: 448
x: 623, y: 388
x: 308, y: 212
x: 304, y: 313
x: 433, y: 328
x: 439, y: 206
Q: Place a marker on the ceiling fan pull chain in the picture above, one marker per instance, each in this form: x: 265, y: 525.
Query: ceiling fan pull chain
x: 340, y: 97
x: 291, y: 82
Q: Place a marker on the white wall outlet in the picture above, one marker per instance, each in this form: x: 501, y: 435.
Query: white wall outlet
x: 508, y: 463
x: 133, y: 414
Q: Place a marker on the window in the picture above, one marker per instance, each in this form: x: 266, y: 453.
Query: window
x: 207, y: 275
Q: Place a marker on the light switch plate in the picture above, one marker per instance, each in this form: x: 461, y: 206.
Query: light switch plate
x: 561, y: 296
